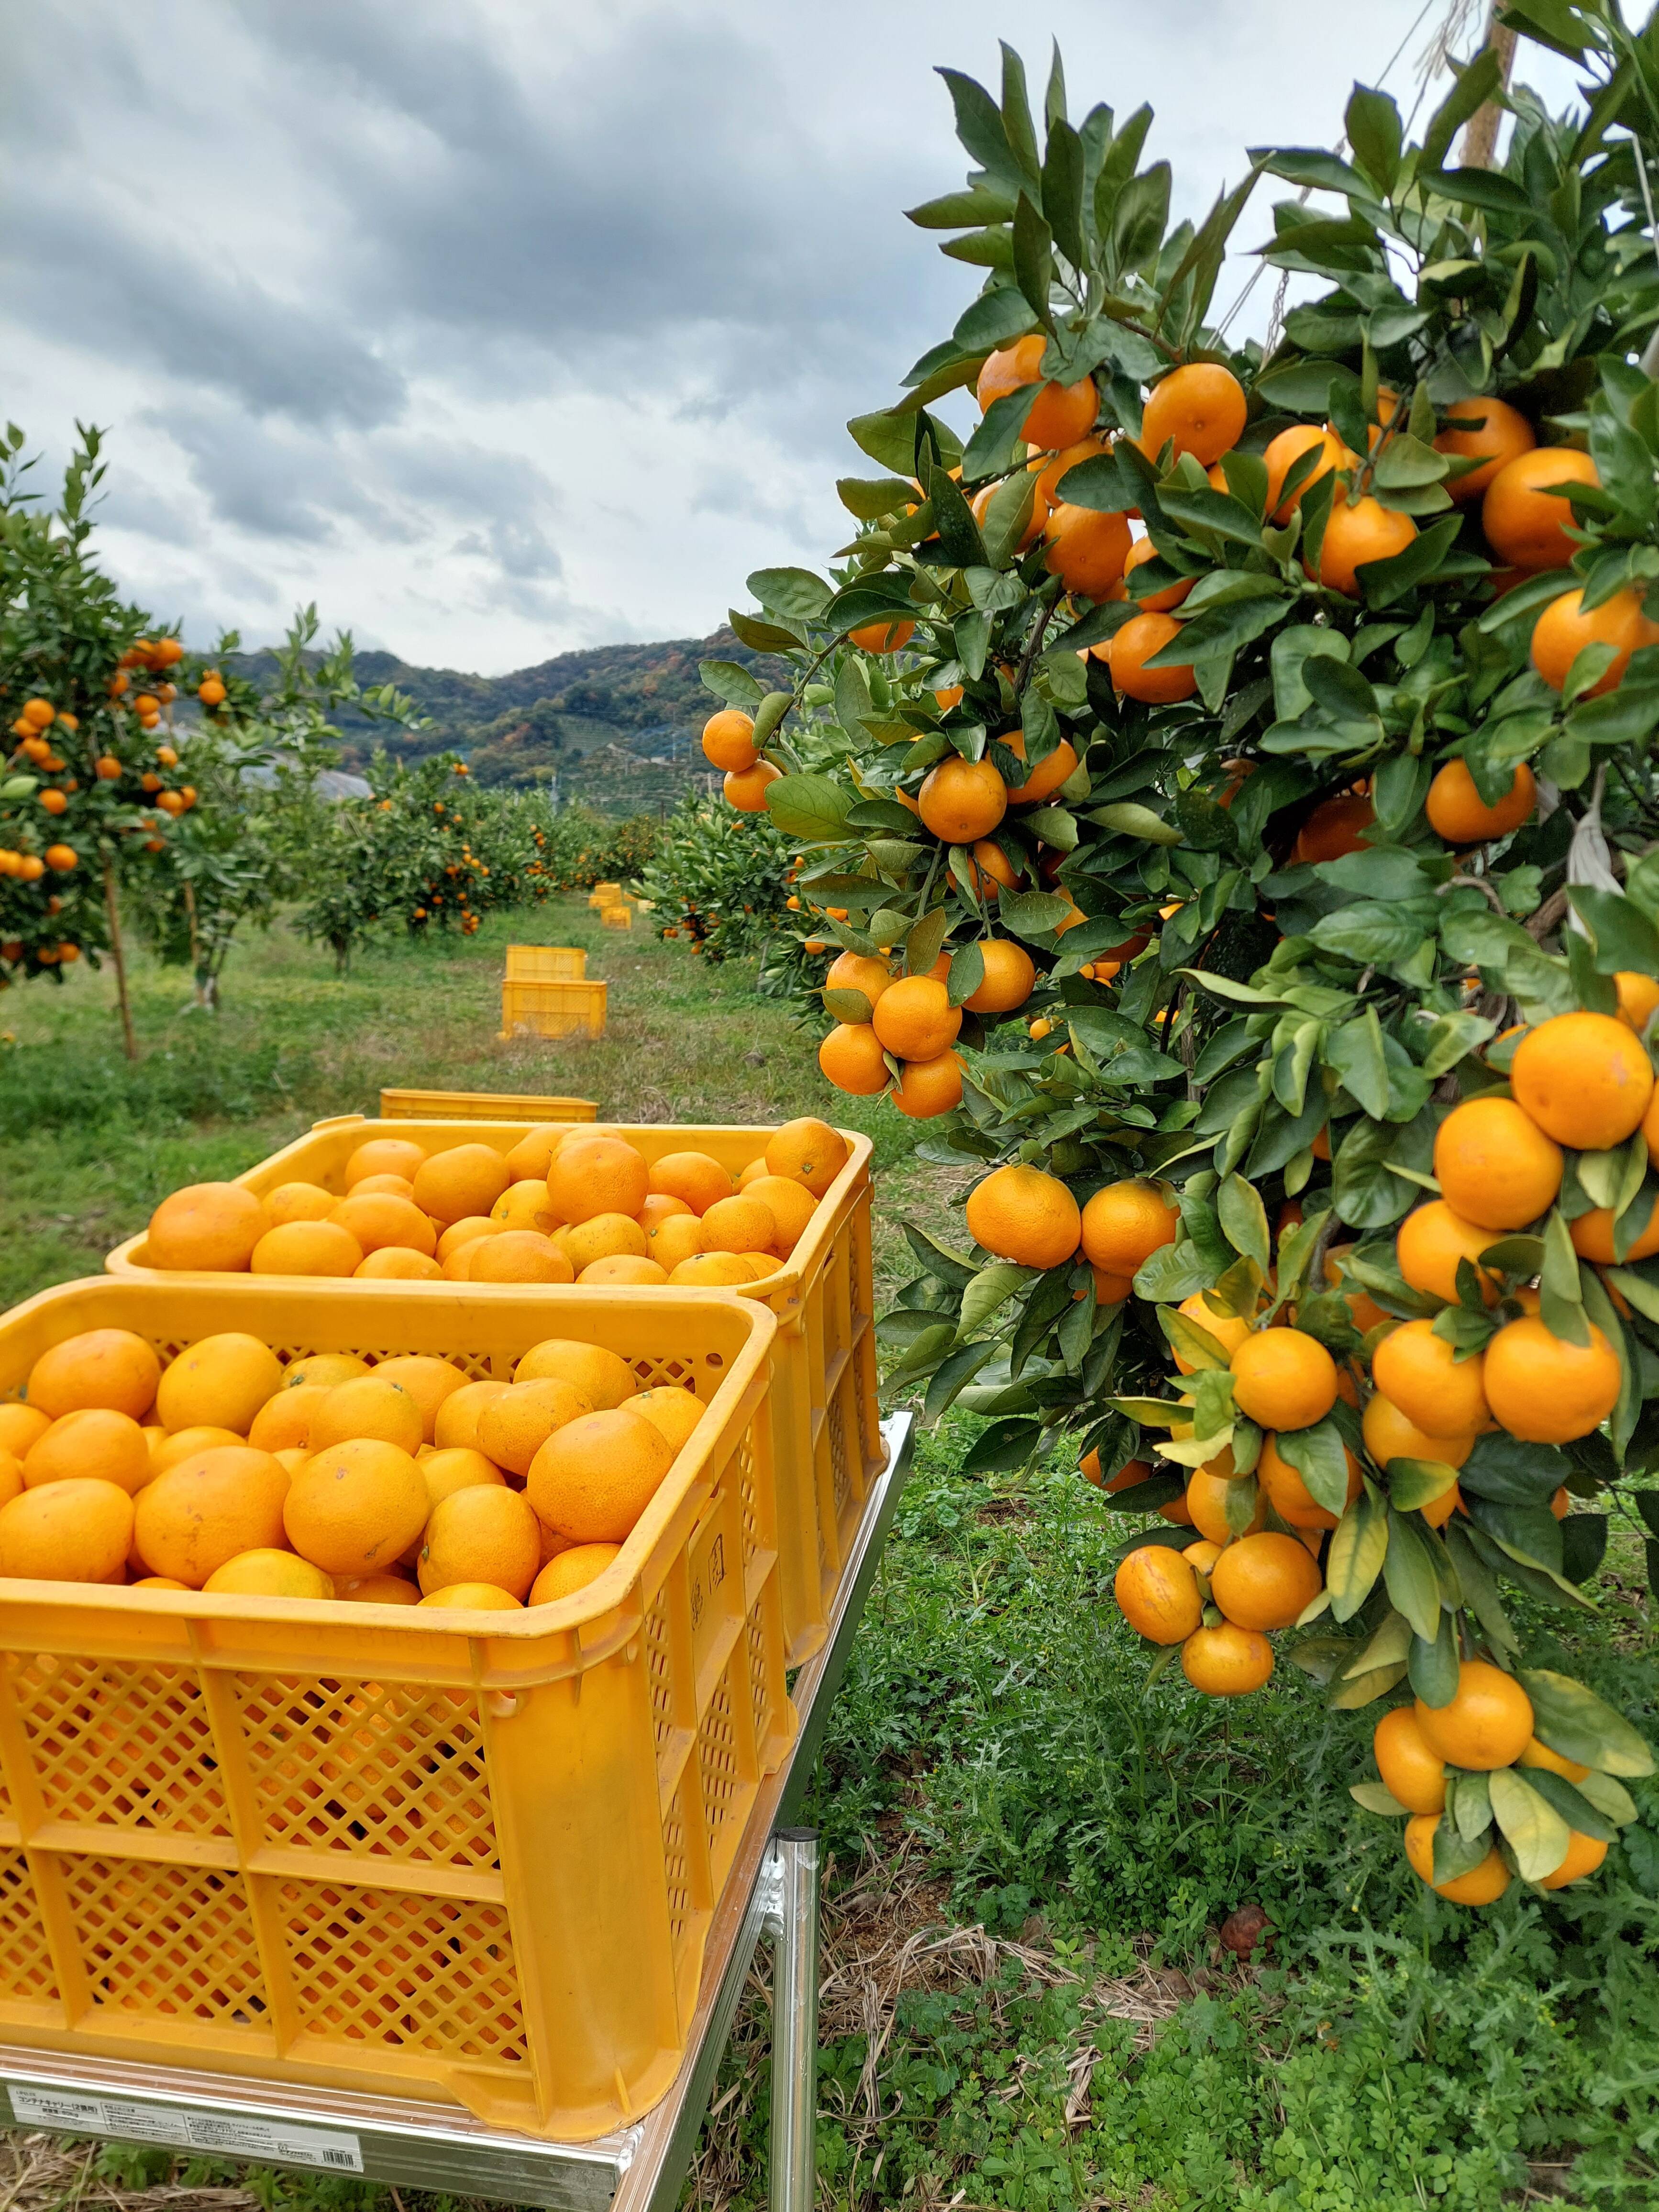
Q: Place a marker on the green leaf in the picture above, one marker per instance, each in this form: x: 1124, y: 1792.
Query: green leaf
x: 1623, y: 936
x: 954, y: 1269
x: 1347, y: 1696
x: 1572, y: 1720
x: 1033, y: 259
x: 1127, y: 818
x: 1409, y: 1571
x: 1377, y: 1797
x: 1414, y: 1483
x: 1469, y: 1805
x: 979, y: 127
x: 1375, y: 134
x: 960, y: 542
x: 1531, y: 1826
x: 1432, y: 1667
x: 1358, y: 1547
x: 924, y: 941
x: 950, y: 1377
x: 991, y: 448
x: 761, y: 636
x: 1355, y: 1051
x: 966, y: 974
x: 1192, y: 1341
x: 810, y: 807
x: 1456, y: 1854
x: 981, y: 202
x: 1243, y: 1221
x: 989, y: 1291
x: 1320, y: 1457
x: 870, y: 497
x: 795, y: 593
x: 1140, y: 215
x: 846, y: 1006
x: 1609, y: 1797
x: 1062, y: 192
x: 1575, y: 1808
x: 1477, y: 82
x: 730, y: 681
x: 1478, y: 188
x: 1032, y: 913
x: 1385, y: 581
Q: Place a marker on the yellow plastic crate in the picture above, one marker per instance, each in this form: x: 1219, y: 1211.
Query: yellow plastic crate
x: 471, y: 1857
x: 546, y: 963
x: 616, y: 917
x: 552, y: 1010
x: 604, y: 895
x: 824, y: 1411
x: 482, y: 1106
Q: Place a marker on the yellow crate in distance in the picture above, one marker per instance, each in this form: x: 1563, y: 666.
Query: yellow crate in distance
x: 546, y: 963
x: 824, y: 1363
x: 604, y: 895
x: 552, y: 1010
x: 482, y: 1106
x: 616, y: 917
x: 463, y: 1856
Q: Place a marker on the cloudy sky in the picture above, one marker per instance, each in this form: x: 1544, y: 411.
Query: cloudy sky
x: 500, y: 327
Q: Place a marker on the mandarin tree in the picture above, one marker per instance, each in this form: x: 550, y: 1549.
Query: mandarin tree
x: 1291, y: 711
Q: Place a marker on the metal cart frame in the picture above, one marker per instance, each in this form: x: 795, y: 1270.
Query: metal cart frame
x: 773, y: 1891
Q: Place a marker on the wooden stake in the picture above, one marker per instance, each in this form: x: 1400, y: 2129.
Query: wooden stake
x: 1481, y: 133
x: 119, y: 958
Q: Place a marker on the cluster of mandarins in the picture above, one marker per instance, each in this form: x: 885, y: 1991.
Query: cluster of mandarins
x: 565, y: 1204
x: 406, y: 1483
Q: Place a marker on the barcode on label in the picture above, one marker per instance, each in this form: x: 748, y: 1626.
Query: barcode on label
x: 231, y: 2135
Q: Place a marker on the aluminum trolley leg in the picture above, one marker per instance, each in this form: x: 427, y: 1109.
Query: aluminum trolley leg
x: 792, y: 1920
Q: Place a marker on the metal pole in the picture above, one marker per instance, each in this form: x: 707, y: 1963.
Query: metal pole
x: 795, y: 2021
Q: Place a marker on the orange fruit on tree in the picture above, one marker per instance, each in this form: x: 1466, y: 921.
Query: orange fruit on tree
x: 791, y: 1204
x: 429, y: 1381
x: 269, y: 1573
x: 213, y: 1225
x: 1563, y: 630
x: 1086, y: 551
x: 1123, y: 1224
x: 880, y: 637
x: 1547, y: 1390
x: 1584, y: 1079
x: 524, y: 1204
x: 94, y: 1442
x: 1420, y: 1373
x: 1638, y: 998
x: 1457, y: 812
x: 220, y: 1383
x: 962, y: 800
x: 514, y: 1425
x: 745, y: 791
x: 1290, y: 1495
x: 308, y: 1248
x: 808, y: 1151
x: 1283, y: 1378
x: 353, y: 1507
x: 740, y: 1223
x: 696, y: 1179
x: 1264, y: 1581
x: 282, y: 1424
x: 601, y: 1376
x: 473, y: 1597
x: 523, y: 1255
x: 1495, y: 1166
x: 1021, y: 1213
x: 68, y: 1532
x: 1199, y: 408
x: 1584, y: 1854
x: 1355, y: 536
x: 728, y: 741
x: 597, y: 1175
x: 991, y: 870
x: 1487, y: 1724
x: 1059, y: 414
x: 1226, y: 1661
x: 1482, y: 1885
x: 1389, y: 1435
x: 1281, y: 454
x: 1539, y: 1754
x: 1414, y: 1775
x: 456, y: 1425
x: 572, y: 1569
x: 299, y: 1201
x: 594, y: 1477
x: 1525, y: 521
x: 1158, y: 1595
x: 915, y: 1019
x: 398, y: 1156
x: 928, y: 1087
x: 206, y: 1509
x: 1336, y: 828
x: 1229, y: 1330
x: 1046, y: 778
x: 851, y: 1058
x: 111, y: 1368
x: 1009, y: 979
x: 1487, y: 430
x: 1430, y: 1242
x: 462, y: 1179
x: 1159, y: 602
x: 1134, y: 646
x: 674, y: 1411
x: 1592, y: 1238
x: 482, y: 1533
x: 858, y: 972
x: 1048, y: 468
x: 368, y: 1407
x: 1207, y: 1491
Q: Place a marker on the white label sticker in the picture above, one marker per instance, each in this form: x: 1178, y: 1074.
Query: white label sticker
x: 230, y: 2135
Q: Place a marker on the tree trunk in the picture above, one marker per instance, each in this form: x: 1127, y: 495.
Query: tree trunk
x: 1481, y: 133
x: 116, y: 953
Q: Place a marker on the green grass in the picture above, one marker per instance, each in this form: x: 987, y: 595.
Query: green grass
x: 996, y: 1757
